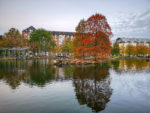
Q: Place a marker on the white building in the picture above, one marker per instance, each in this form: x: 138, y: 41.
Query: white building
x: 133, y: 41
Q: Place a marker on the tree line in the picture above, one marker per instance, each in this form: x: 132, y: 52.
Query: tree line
x: 40, y: 40
x: 131, y: 50
x: 91, y: 41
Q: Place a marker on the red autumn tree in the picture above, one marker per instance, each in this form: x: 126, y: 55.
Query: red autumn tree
x: 94, y: 38
x: 99, y: 33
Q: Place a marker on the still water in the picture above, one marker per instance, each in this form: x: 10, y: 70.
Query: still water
x: 36, y: 86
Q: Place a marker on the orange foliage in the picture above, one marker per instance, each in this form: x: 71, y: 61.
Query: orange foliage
x: 94, y: 41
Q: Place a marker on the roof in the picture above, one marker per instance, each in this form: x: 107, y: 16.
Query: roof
x: 53, y: 32
x: 28, y: 29
x: 62, y: 33
x: 144, y: 40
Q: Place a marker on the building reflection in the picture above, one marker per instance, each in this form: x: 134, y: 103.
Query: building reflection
x: 92, y: 86
x: 130, y: 65
x: 62, y: 73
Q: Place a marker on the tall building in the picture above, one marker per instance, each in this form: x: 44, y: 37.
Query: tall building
x: 27, y: 32
x: 58, y: 36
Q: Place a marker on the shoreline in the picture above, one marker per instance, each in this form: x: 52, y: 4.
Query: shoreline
x: 110, y: 58
x: 74, y: 62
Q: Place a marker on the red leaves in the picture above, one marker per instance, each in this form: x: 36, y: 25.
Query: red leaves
x: 98, y: 23
x: 95, y: 38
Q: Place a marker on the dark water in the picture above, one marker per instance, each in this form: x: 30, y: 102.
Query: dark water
x: 36, y: 86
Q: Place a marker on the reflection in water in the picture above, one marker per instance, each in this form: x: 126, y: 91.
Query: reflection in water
x: 130, y: 65
x: 92, y: 83
x: 115, y: 64
x: 41, y: 72
x: 92, y: 86
x: 62, y: 73
x: 36, y: 72
x: 13, y: 72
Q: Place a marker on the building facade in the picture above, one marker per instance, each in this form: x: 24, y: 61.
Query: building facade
x: 58, y: 36
x: 126, y: 49
x: 133, y: 41
x: 27, y: 32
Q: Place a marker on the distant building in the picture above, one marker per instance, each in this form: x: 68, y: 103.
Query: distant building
x: 27, y: 32
x: 133, y: 41
x: 58, y: 36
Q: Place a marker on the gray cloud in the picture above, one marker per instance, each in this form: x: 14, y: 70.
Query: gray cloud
x: 132, y: 25
x: 64, y: 15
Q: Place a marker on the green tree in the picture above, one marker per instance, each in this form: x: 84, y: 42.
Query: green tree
x: 67, y: 46
x: 115, y: 50
x: 42, y: 40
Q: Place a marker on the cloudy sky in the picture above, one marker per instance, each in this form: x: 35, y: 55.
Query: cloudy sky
x: 127, y: 18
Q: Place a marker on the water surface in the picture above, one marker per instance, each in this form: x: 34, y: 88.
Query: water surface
x: 36, y: 86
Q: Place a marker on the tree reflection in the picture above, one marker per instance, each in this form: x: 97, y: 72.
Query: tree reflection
x: 92, y: 86
x: 68, y: 71
x: 115, y: 64
x: 36, y: 72
x: 130, y: 65
x: 13, y: 72
x: 135, y: 65
x: 41, y: 72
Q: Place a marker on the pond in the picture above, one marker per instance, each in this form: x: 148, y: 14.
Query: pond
x: 37, y: 86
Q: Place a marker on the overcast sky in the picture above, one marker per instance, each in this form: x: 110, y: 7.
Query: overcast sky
x: 127, y: 18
